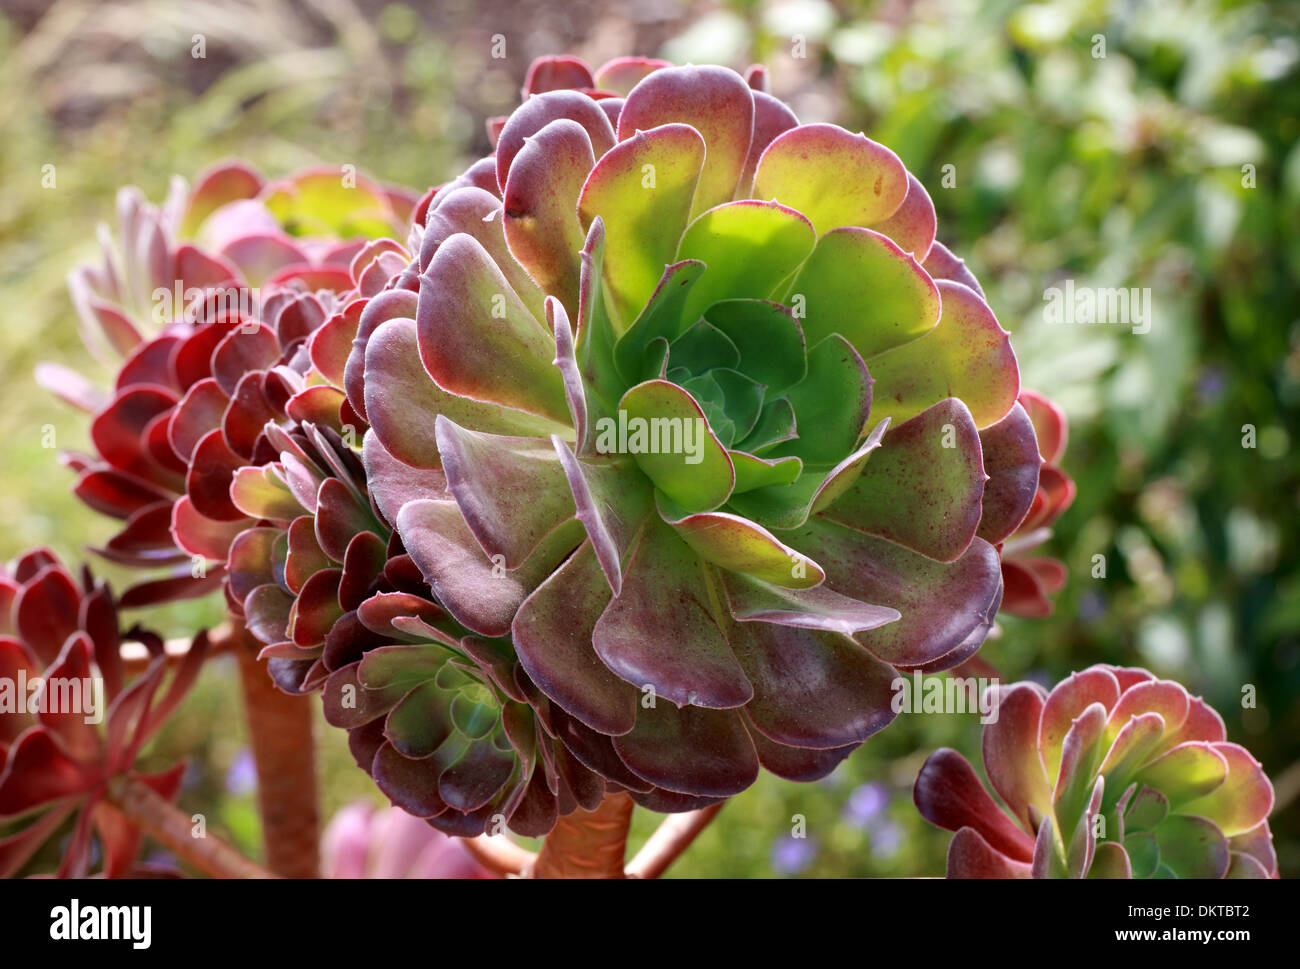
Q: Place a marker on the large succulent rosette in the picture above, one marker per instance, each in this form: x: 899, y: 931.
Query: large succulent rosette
x: 727, y: 437
x: 54, y: 763
x: 210, y: 299
x: 1113, y: 774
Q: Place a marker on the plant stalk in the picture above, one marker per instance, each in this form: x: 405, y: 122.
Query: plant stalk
x: 673, y: 836
x: 588, y: 844
x: 280, y: 727
x: 173, y: 828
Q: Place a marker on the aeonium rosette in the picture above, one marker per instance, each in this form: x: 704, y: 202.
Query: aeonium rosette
x: 708, y: 401
x: 210, y: 299
x: 445, y: 721
x: 1113, y: 774
x: 73, y: 719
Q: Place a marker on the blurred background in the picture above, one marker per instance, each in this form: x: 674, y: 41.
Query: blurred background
x: 1119, y: 144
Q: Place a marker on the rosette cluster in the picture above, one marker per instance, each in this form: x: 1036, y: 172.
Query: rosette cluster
x: 723, y: 438
x: 209, y: 299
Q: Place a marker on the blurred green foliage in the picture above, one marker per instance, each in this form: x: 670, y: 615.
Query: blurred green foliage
x: 1118, y: 144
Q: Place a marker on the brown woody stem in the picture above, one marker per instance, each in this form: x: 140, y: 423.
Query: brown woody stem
x: 280, y: 726
x: 588, y: 844
x: 670, y: 840
x: 173, y: 828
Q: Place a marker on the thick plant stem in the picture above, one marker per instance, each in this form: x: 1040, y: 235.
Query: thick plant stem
x: 588, y: 844
x: 280, y: 726
x: 173, y: 828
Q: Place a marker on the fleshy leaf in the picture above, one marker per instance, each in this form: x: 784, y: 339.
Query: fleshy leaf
x: 541, y: 206
x: 1017, y: 778
x: 813, y: 688
x: 671, y: 643
x: 750, y: 247
x: 642, y: 190
x: 402, y: 401
x: 941, y: 605
x: 715, y: 102
x: 1011, y: 461
x: 860, y: 284
x: 752, y: 600
x: 553, y: 634
x: 834, y: 177
x: 690, y: 750
x: 833, y: 398
x: 739, y: 545
x: 1244, y: 799
x: 924, y: 489
x: 948, y: 793
x: 478, y: 340
x: 967, y: 355
x: 512, y: 490
x: 697, y: 478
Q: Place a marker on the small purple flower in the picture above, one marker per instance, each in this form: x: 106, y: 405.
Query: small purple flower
x: 864, y: 804
x: 886, y: 839
x: 241, y: 778
x: 1211, y: 385
x: 1091, y: 607
x: 791, y: 855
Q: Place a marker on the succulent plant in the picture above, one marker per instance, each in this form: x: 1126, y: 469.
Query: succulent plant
x: 1030, y: 580
x: 439, y: 717
x: 54, y: 762
x: 708, y: 401
x: 210, y: 304
x: 1113, y: 774
x: 362, y: 842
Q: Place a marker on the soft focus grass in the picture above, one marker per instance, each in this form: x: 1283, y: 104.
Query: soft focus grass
x: 1122, y: 170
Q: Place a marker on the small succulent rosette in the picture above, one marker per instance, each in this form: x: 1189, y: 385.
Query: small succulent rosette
x: 445, y: 721
x: 62, y: 742
x: 210, y: 300
x: 1113, y: 774
x: 719, y: 423
x: 1030, y: 580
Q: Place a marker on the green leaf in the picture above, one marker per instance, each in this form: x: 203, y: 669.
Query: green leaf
x: 662, y: 318
x: 700, y: 478
x: 775, y: 425
x: 702, y: 348
x: 714, y: 101
x: 751, y: 247
x: 742, y: 398
x: 832, y: 176
x: 1192, y: 848
x: 740, y: 545
x: 967, y: 355
x: 642, y: 188
x: 830, y: 404
x: 768, y: 338
x: 752, y: 472
x: 1185, y: 773
x: 858, y: 283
